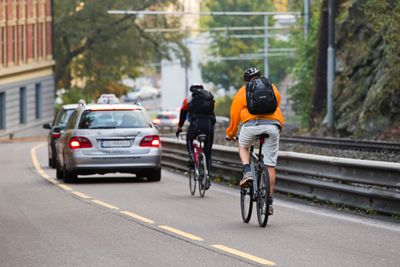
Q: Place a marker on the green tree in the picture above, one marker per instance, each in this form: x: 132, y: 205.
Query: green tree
x: 226, y: 74
x: 98, y: 48
x: 303, y: 70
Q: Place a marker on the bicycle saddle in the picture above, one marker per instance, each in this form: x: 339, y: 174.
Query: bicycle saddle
x: 201, y: 137
x: 264, y: 135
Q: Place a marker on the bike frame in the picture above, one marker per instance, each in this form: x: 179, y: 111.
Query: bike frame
x: 257, y: 160
x: 197, y: 150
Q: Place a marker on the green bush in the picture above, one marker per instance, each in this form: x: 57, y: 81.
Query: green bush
x: 223, y: 106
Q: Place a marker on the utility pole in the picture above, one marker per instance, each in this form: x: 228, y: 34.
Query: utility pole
x: 306, y: 17
x: 331, y: 62
x: 266, y: 68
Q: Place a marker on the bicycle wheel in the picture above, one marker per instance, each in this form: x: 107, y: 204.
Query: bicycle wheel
x: 192, y: 180
x: 202, y: 174
x: 263, y: 195
x: 246, y: 203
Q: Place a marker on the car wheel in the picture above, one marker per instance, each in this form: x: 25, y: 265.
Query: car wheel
x: 153, y: 175
x: 52, y: 162
x: 69, y: 176
x: 59, y: 172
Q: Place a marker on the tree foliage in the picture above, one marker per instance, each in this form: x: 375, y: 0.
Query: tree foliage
x: 228, y: 74
x: 93, y: 49
x: 303, y: 70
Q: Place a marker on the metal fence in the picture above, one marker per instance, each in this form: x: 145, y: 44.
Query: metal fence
x: 370, y: 185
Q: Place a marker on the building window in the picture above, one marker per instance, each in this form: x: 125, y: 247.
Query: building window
x: 22, y: 105
x: 38, y: 101
x: 2, y: 111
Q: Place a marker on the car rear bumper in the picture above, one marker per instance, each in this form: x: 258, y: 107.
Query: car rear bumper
x: 114, y: 163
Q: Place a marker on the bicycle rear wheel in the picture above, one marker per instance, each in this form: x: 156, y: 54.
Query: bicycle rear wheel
x: 246, y: 203
x: 192, y: 180
x: 202, y: 174
x: 263, y: 196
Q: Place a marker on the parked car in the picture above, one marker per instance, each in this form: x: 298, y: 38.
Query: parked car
x: 142, y: 93
x: 60, y: 120
x: 166, y: 120
x: 107, y: 138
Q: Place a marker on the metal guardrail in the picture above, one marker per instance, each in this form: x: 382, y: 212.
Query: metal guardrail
x: 371, y: 185
x: 343, y: 143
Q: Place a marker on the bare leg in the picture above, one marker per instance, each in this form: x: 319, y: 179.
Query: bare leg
x: 244, y: 155
x: 271, y: 172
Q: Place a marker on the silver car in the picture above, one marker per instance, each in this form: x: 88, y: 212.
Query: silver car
x: 106, y: 138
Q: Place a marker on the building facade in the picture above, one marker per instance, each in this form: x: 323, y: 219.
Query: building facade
x: 27, y: 89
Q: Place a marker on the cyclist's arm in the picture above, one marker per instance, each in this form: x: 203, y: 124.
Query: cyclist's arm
x: 238, y: 104
x: 183, y: 113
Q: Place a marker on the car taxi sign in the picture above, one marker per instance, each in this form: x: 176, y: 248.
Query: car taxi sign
x: 108, y: 99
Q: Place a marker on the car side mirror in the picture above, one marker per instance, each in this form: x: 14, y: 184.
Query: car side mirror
x: 46, y: 126
x: 57, y: 129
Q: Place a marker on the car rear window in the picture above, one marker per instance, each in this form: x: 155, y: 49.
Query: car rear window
x: 64, y: 116
x: 113, y: 119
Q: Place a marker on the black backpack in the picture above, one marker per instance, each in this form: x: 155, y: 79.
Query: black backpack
x: 202, y: 103
x: 260, y: 96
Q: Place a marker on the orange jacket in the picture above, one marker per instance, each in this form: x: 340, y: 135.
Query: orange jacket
x: 240, y: 114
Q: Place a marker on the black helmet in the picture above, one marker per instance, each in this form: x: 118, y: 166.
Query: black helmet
x: 195, y: 87
x: 250, y: 73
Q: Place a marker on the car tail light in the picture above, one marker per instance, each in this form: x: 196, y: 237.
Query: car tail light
x: 176, y: 121
x: 55, y: 135
x: 79, y: 142
x: 156, y: 121
x: 150, y: 141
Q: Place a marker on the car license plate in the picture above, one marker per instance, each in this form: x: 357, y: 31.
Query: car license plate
x: 116, y: 143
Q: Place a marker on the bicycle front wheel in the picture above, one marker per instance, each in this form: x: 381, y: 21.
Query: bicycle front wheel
x: 192, y: 180
x: 202, y: 174
x: 263, y: 196
x: 246, y: 203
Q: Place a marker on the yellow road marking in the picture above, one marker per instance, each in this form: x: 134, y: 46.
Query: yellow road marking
x: 105, y: 204
x: 179, y: 232
x: 37, y: 166
x: 81, y: 195
x: 65, y: 187
x: 244, y: 255
x: 133, y: 215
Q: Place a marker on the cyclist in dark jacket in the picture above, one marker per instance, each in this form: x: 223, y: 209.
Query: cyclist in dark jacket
x: 201, y: 119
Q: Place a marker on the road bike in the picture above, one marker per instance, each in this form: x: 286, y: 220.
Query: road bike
x: 259, y: 190
x: 198, y: 173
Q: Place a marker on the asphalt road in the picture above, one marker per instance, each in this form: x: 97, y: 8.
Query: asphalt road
x: 116, y: 220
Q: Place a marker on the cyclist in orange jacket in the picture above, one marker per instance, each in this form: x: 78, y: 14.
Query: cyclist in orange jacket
x: 253, y: 125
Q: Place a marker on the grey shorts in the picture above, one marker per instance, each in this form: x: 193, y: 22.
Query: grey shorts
x: 248, y: 135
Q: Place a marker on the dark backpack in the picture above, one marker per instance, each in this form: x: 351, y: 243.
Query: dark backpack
x: 260, y: 96
x: 202, y: 103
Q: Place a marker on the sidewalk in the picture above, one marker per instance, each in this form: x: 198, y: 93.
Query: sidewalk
x: 36, y: 133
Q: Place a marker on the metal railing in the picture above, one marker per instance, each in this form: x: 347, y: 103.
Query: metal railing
x: 364, y: 184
